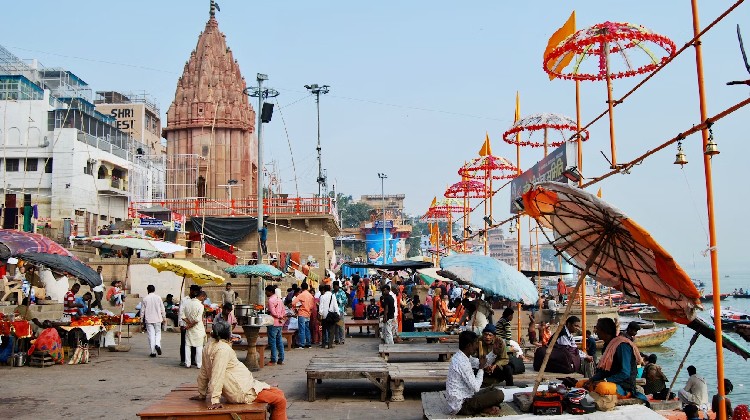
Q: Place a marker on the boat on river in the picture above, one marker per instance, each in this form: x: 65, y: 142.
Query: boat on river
x: 731, y: 317
x: 710, y: 297
x: 648, y: 338
x: 652, y: 314
x: 739, y: 295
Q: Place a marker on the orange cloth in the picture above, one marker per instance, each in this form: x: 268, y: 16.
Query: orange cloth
x: 307, y: 303
x: 609, y: 353
x: 275, y: 397
x: 360, y: 290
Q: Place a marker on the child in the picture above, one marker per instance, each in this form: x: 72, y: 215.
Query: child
x: 114, y: 294
x: 373, y: 310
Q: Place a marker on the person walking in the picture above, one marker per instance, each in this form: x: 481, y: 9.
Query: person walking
x: 303, y: 304
x: 195, y: 334
x: 327, y: 305
x: 389, y: 313
x: 277, y: 311
x: 153, y: 313
x: 562, y: 290
x: 194, y: 290
x: 98, y: 290
x: 341, y: 301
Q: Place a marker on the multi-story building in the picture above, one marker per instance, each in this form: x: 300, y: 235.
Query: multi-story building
x: 394, y: 206
x: 64, y: 164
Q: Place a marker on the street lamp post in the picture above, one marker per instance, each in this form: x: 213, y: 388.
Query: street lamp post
x: 382, y: 196
x: 317, y: 91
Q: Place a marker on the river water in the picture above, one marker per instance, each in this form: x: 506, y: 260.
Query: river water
x: 703, y: 353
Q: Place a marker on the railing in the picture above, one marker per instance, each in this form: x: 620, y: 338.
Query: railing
x: 279, y: 206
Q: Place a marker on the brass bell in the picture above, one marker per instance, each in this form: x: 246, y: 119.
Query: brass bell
x: 711, y: 147
x: 680, y: 158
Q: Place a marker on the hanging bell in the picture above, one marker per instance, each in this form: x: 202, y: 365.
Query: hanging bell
x: 711, y: 147
x: 680, y: 158
x: 512, y: 228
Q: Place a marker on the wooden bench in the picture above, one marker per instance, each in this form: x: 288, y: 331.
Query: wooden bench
x: 177, y: 405
x: 373, y: 369
x: 399, y: 373
x: 431, y: 336
x: 288, y: 335
x: 374, y: 323
x: 442, y: 351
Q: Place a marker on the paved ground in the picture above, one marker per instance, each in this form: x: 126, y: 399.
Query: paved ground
x: 118, y: 385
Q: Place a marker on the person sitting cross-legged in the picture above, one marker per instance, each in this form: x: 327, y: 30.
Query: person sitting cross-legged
x: 223, y: 375
x: 463, y: 388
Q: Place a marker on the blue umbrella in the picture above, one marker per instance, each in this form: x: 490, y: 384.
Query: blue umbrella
x: 492, y: 276
x: 259, y: 270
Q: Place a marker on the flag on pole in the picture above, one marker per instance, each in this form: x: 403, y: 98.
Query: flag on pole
x: 599, y: 193
x: 486, y: 149
x: 568, y: 28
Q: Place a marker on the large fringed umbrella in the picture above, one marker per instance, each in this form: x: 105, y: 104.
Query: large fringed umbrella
x: 186, y: 269
x: 605, y: 243
x: 562, y: 129
x: 601, y: 42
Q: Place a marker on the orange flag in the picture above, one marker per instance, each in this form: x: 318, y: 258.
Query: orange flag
x: 599, y: 193
x: 434, y: 202
x: 568, y: 28
x: 486, y: 149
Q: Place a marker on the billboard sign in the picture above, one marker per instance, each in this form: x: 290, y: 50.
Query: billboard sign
x: 550, y: 168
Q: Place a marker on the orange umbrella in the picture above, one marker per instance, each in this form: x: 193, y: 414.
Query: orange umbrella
x: 602, y: 241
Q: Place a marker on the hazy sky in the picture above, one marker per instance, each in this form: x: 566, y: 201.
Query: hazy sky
x: 415, y: 85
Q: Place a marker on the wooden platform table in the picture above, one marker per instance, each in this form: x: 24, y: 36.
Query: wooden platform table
x: 374, y: 323
x: 177, y: 405
x: 430, y: 336
x: 440, y: 350
x: 374, y: 369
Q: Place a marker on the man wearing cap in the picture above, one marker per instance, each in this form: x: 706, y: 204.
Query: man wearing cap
x: 498, y: 366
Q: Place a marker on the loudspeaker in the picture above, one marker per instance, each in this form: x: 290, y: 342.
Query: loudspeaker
x: 267, y: 113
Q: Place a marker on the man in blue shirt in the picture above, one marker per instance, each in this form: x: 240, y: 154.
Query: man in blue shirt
x: 85, y: 302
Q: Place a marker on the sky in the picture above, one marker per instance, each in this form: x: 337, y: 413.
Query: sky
x: 416, y: 85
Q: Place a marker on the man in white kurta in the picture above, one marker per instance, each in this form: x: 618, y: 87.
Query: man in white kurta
x: 153, y: 314
x: 195, y: 333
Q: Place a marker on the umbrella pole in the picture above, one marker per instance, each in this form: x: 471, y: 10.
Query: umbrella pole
x: 611, y: 104
x: 551, y: 344
x: 682, y: 363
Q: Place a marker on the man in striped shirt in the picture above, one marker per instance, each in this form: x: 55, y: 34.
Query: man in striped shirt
x: 503, y: 325
x: 70, y: 305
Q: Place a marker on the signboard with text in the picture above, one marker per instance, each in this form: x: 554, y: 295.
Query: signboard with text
x: 550, y: 168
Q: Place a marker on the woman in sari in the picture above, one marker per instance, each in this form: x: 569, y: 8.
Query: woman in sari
x: 315, y: 333
x: 436, y: 311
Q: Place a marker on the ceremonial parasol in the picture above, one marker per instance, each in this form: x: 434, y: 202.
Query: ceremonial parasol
x: 13, y: 242
x: 602, y: 241
x: 495, y: 167
x: 64, y: 263
x: 563, y: 129
x: 494, y: 277
x: 466, y: 189
x: 601, y: 41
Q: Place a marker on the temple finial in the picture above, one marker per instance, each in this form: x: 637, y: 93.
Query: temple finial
x: 214, y: 8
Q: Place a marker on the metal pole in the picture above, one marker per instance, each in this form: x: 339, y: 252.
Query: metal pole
x: 382, y: 197
x: 711, y: 215
x: 260, y: 78
x: 320, y: 156
x: 611, y: 104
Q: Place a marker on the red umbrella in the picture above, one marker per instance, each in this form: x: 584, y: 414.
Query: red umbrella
x: 13, y: 242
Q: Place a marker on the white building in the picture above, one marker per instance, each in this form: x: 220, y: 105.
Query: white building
x: 61, y: 155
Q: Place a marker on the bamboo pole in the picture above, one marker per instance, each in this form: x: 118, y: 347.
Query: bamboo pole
x: 579, y: 152
x: 722, y: 414
x: 551, y: 344
x: 611, y: 106
x: 682, y: 363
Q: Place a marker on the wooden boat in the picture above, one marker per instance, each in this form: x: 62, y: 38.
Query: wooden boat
x: 741, y: 295
x: 648, y: 338
x: 652, y: 314
x: 710, y: 297
x: 731, y: 318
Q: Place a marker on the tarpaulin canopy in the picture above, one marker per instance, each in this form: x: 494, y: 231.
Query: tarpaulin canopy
x: 224, y: 231
x: 494, y: 277
x: 399, y: 265
x: 13, y: 242
x: 66, y: 264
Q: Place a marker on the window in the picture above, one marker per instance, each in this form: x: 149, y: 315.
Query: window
x: 89, y: 169
x: 11, y: 165
x: 31, y: 165
x: 48, y: 166
x: 103, y: 217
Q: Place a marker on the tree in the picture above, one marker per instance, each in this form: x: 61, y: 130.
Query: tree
x: 353, y: 214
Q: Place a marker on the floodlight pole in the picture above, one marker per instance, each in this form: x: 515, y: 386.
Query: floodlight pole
x: 382, y: 197
x: 317, y: 90
x: 711, y: 216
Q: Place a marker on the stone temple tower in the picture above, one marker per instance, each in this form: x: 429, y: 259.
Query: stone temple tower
x: 211, y: 141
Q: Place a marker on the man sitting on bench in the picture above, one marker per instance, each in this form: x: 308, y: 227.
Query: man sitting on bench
x: 463, y: 388
x: 223, y: 375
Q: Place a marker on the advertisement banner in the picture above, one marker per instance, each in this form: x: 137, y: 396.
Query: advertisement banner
x: 374, y: 246
x: 379, y: 224
x: 550, y: 168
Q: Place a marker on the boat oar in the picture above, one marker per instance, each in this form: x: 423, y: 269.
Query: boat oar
x: 679, y: 368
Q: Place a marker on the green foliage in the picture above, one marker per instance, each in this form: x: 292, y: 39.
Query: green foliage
x: 353, y: 214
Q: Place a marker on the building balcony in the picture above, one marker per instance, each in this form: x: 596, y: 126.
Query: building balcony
x: 112, y: 185
x: 278, y: 206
